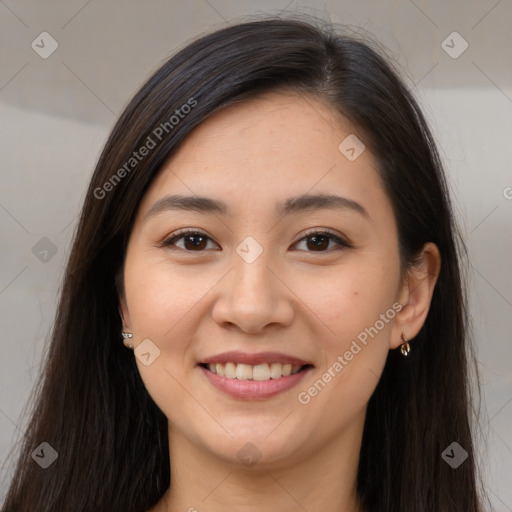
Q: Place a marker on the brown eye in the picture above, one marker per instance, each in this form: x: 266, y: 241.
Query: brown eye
x: 320, y: 242
x: 193, y: 241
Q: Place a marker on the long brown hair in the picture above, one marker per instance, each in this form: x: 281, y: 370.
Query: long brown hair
x: 91, y: 405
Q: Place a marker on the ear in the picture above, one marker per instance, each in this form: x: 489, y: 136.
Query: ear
x: 416, y: 294
x: 125, y: 315
x: 123, y: 308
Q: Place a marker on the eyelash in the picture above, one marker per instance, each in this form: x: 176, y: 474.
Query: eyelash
x: 169, y: 241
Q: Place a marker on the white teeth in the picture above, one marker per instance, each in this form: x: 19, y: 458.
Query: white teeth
x: 276, y: 370
x: 230, y: 370
x: 219, y: 370
x: 243, y: 371
x: 260, y: 372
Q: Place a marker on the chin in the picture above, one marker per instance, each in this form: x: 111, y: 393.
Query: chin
x: 253, y: 446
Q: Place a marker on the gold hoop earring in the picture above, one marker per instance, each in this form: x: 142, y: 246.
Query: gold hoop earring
x: 127, y: 336
x: 405, y: 348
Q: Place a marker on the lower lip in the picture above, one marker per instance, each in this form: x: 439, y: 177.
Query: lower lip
x: 254, y: 389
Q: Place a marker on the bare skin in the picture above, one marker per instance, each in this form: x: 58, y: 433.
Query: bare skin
x: 301, y: 297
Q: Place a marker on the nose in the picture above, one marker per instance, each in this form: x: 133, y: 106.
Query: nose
x: 253, y: 297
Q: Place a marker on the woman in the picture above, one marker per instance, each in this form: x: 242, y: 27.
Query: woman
x: 268, y: 231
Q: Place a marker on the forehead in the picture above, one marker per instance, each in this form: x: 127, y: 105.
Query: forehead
x: 266, y: 149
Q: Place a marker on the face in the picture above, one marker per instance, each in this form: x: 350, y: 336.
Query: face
x: 271, y: 316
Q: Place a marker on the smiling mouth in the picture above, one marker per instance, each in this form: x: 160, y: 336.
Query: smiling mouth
x: 258, y: 372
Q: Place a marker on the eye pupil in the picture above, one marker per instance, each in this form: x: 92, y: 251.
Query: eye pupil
x: 198, y: 243
x: 319, y: 241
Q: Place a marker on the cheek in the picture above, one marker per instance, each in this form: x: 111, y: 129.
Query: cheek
x: 354, y: 348
x: 349, y: 299
x: 355, y: 309
x: 163, y: 303
x: 160, y: 296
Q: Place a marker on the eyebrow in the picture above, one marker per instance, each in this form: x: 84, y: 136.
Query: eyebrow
x: 298, y: 204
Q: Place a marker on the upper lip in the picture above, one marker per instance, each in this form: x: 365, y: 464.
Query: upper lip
x: 254, y: 359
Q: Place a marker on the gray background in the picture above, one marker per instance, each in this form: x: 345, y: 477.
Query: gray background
x: 57, y: 112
